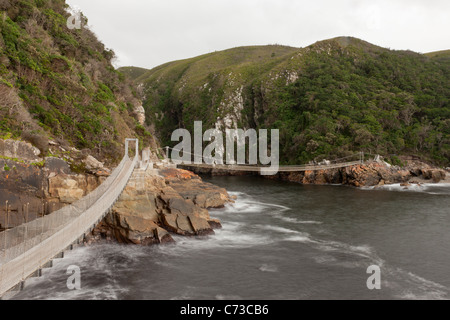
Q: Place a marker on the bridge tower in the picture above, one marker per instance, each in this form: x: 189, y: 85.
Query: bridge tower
x: 127, y: 141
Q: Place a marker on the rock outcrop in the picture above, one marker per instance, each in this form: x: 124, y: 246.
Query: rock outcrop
x: 366, y: 175
x: 362, y: 175
x: 16, y: 149
x: 156, y: 204
x: 44, y: 187
x: 139, y: 114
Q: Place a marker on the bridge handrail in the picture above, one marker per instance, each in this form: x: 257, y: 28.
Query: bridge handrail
x: 9, y: 238
x: 257, y: 168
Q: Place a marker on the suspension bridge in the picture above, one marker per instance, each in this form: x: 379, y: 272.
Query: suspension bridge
x: 26, y: 249
x: 344, y: 162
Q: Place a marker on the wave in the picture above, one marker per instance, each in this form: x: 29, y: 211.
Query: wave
x: 420, y: 288
x: 228, y: 297
x: 268, y: 268
x: 429, y: 188
x: 277, y: 229
x: 404, y: 284
x: 99, y: 284
x: 296, y: 221
x: 232, y: 235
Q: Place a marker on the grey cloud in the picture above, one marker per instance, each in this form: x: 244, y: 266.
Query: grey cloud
x: 149, y: 33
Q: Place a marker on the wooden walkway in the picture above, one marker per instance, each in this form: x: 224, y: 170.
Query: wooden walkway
x: 248, y: 168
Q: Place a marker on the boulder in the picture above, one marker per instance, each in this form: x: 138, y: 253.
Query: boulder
x: 16, y: 149
x: 92, y: 163
x: 309, y: 177
x: 56, y: 165
x: 66, y: 188
x: 215, y: 223
x: 201, y: 226
x: 434, y: 174
x: 191, y: 187
x: 184, y: 225
x: 150, y: 208
x: 362, y: 175
x: 438, y: 175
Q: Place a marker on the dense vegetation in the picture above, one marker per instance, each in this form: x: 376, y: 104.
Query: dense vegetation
x: 329, y: 100
x: 59, y: 84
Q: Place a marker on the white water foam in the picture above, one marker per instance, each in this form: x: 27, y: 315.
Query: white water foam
x: 236, y: 234
x: 232, y: 235
x: 429, y: 188
x: 49, y: 286
x: 419, y: 287
x: 228, y: 297
x: 268, y: 268
x: 239, y: 234
x: 296, y: 221
x: 277, y: 229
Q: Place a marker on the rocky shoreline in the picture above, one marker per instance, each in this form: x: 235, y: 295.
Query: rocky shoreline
x: 369, y: 174
x: 160, y: 203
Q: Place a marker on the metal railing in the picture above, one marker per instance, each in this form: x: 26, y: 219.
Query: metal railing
x: 28, y: 247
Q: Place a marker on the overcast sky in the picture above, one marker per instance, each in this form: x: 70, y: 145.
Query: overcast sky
x: 147, y: 33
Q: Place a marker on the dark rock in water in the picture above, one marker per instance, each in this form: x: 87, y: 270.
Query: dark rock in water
x: 184, y: 225
x: 215, y: 224
x: 201, y: 226
x: 417, y: 172
x: 434, y: 174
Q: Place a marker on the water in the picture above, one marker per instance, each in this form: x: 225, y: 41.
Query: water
x: 280, y: 241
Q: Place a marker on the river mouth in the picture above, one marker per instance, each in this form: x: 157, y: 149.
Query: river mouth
x: 281, y: 241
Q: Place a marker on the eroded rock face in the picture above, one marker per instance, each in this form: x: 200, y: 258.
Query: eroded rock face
x: 44, y: 189
x: 69, y: 188
x: 365, y: 175
x: 20, y: 150
x: 139, y: 114
x: 191, y: 186
x: 154, y: 206
x: 360, y: 176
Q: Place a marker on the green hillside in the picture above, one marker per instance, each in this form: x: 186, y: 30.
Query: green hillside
x: 439, y: 54
x: 330, y: 99
x: 132, y: 72
x: 58, y: 84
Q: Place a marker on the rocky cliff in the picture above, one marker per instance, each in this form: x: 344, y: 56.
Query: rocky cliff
x: 58, y: 84
x: 156, y: 204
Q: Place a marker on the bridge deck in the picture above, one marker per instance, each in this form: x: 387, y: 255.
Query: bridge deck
x: 27, y: 248
x: 248, y: 168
